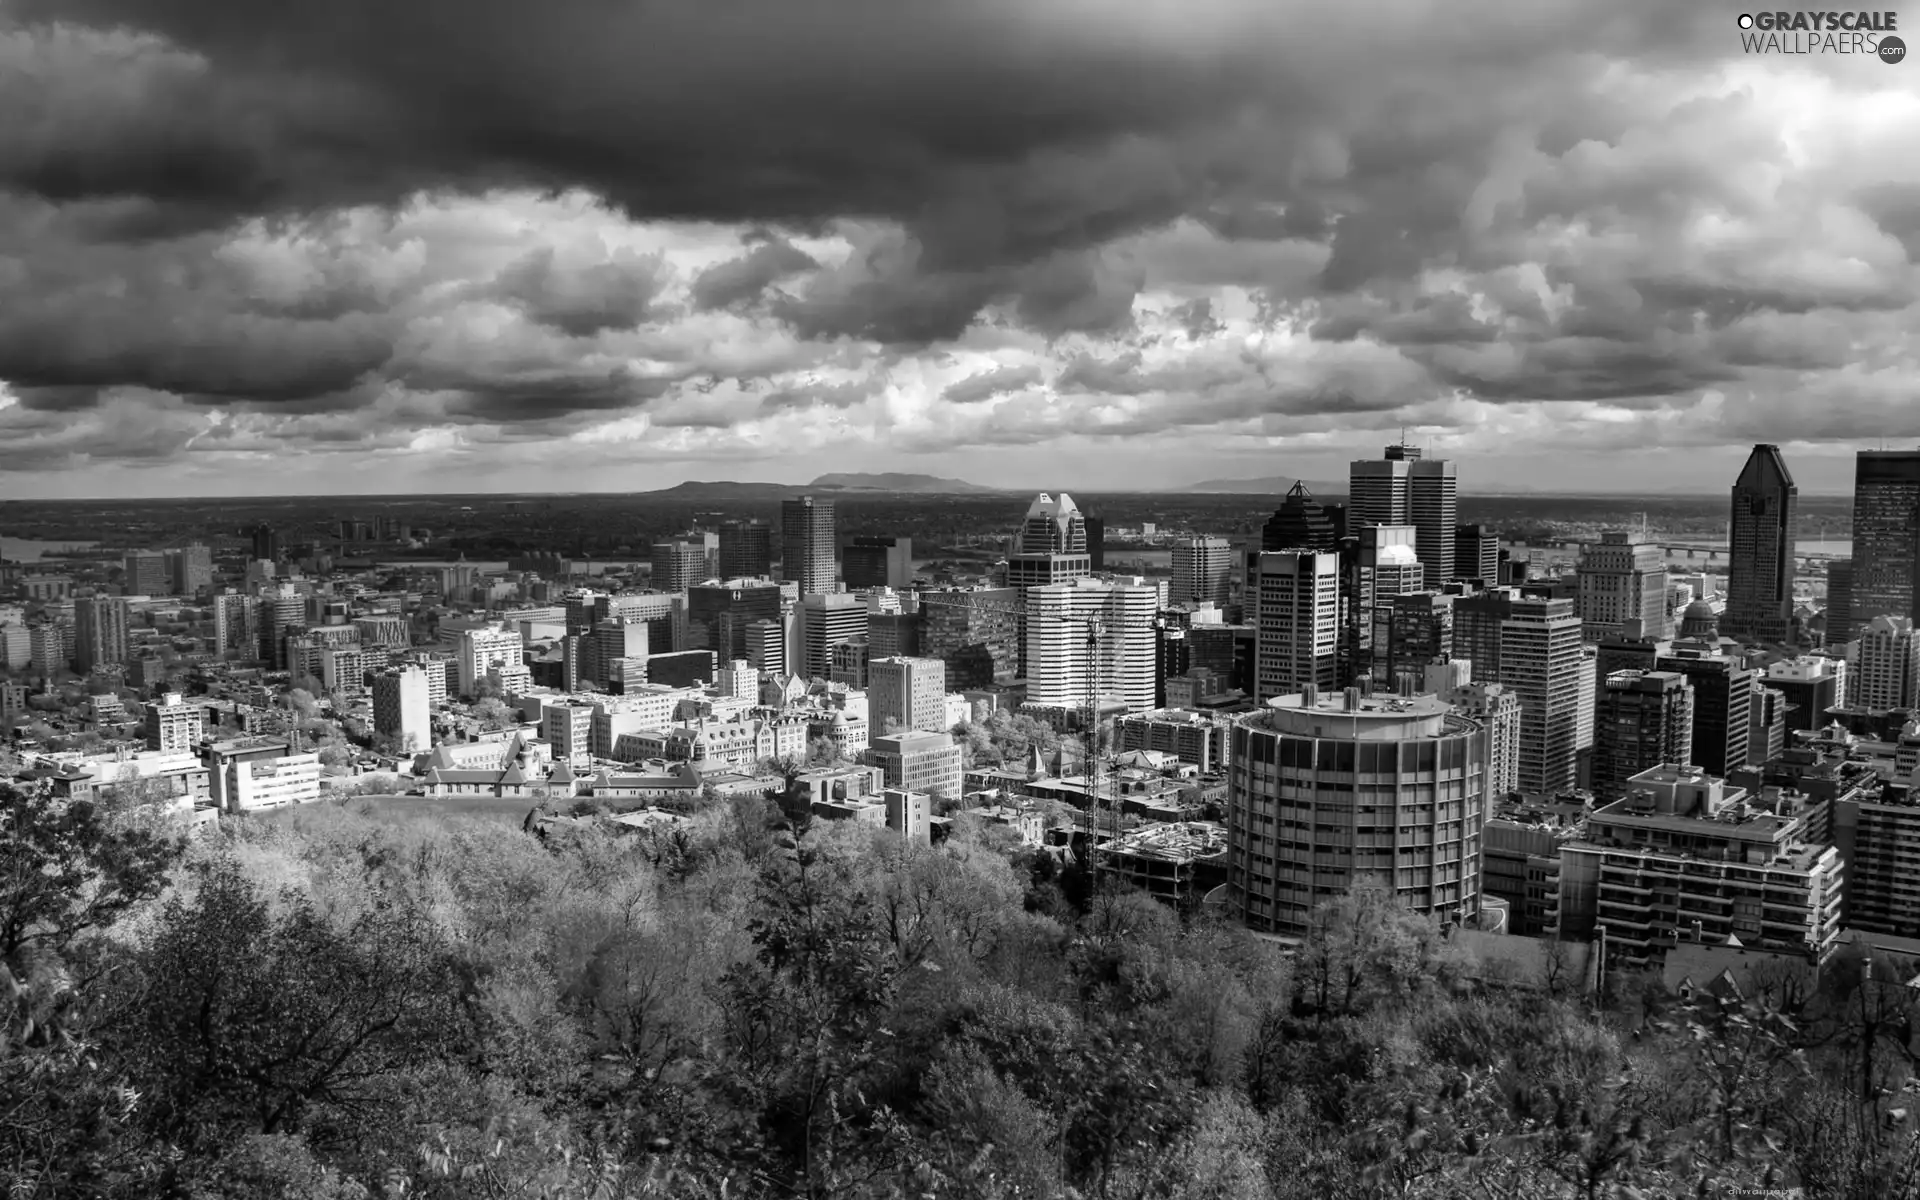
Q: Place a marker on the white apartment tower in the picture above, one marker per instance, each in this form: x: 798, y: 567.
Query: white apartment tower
x: 485, y: 652
x: 911, y: 691
x: 1541, y: 660
x: 1058, y: 616
x: 401, y: 708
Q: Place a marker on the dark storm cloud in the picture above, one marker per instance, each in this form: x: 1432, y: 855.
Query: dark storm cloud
x: 584, y: 300
x: 744, y: 279
x: 822, y: 395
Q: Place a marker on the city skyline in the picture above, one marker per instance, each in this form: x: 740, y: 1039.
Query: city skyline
x: 1607, y: 256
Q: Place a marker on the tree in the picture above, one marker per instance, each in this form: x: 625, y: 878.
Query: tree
x: 71, y: 866
x: 253, y: 1017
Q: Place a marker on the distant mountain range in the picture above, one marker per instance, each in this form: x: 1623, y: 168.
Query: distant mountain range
x: 898, y: 483
x: 1271, y: 485
x: 887, y: 484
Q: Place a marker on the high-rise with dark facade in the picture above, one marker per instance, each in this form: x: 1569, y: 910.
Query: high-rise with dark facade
x: 1476, y: 554
x: 1096, y: 527
x: 1760, y: 571
x: 746, y: 550
x: 678, y: 565
x: 1886, y: 536
x: 1722, y: 705
x: 1645, y: 720
x: 806, y: 543
x: 870, y: 562
x: 1300, y: 523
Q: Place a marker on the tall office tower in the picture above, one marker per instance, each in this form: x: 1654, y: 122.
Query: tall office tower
x: 976, y: 633
x: 172, y: 725
x: 909, y: 691
x: 877, y: 562
x: 1476, y: 554
x: 1886, y: 536
x: 1840, y: 626
x: 1294, y: 602
x: 678, y: 565
x: 1539, y: 657
x: 401, y: 710
x: 1377, y: 488
x: 806, y: 543
x: 767, y: 646
x: 746, y: 550
x: 1497, y: 710
x: 1760, y: 556
x: 718, y: 615
x: 1433, y: 508
x: 99, y: 633
x: 266, y: 545
x: 1202, y: 571
x: 1121, y: 669
x: 1096, y: 528
x: 1384, y: 565
x: 1645, y: 719
x: 1722, y: 705
x: 146, y: 574
x: 485, y: 652
x: 1883, y: 667
x: 1300, y: 832
x: 1402, y: 488
x: 1300, y: 523
x: 1621, y: 579
x: 1418, y: 633
x: 189, y: 569
x: 826, y: 620
x: 1051, y: 547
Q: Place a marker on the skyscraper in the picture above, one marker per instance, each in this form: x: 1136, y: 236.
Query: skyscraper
x: 1760, y: 568
x: 266, y: 543
x: 678, y: 565
x: 1096, y: 527
x: 1645, y: 720
x: 1840, y: 626
x: 1539, y: 657
x: 1202, y: 571
x: 99, y: 633
x: 1886, y: 536
x: 1402, y: 488
x: 1300, y: 523
x: 1293, y: 597
x: 1051, y: 547
x: 1621, y: 579
x: 1122, y: 663
x: 146, y: 574
x: 827, y: 619
x: 746, y: 550
x: 806, y: 543
x: 1722, y: 705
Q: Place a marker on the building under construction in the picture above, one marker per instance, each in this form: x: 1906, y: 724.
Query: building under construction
x: 1178, y: 862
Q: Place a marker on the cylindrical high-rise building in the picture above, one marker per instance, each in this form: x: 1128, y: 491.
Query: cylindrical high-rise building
x: 1327, y: 791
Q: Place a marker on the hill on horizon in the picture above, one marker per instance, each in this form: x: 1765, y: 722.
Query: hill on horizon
x: 898, y: 482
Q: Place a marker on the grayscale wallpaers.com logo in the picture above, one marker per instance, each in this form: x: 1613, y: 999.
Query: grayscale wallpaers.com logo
x: 1823, y: 33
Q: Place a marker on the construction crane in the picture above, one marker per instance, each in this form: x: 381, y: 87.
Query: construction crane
x: 1095, y: 756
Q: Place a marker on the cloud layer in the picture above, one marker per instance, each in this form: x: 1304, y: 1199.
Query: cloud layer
x: 242, y: 241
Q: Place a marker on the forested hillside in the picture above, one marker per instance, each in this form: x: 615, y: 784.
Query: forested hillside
x: 330, y: 1004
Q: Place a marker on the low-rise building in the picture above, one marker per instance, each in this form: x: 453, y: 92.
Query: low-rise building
x: 920, y: 761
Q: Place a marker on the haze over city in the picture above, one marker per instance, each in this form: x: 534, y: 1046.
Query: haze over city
x: 1094, y: 245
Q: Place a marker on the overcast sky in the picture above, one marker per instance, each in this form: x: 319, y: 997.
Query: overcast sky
x: 394, y: 245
